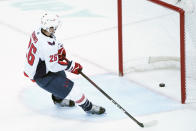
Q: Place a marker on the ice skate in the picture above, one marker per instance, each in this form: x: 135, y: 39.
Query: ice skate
x: 63, y: 102
x: 96, y: 110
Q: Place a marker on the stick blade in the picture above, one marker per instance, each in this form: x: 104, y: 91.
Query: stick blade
x: 150, y: 123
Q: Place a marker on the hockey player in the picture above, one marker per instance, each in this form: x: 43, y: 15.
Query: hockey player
x: 46, y: 64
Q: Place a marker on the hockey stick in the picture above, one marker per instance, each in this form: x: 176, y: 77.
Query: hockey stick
x: 130, y: 116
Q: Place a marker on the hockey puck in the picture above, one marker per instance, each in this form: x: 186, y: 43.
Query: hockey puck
x: 162, y: 85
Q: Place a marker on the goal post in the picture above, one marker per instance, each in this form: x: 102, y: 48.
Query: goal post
x: 182, y: 45
x: 120, y: 43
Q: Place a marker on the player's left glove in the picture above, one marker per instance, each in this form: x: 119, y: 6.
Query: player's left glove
x: 75, y: 68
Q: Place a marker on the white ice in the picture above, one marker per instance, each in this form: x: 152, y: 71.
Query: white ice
x: 89, y: 34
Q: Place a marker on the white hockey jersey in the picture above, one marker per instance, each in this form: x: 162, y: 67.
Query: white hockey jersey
x: 42, y: 55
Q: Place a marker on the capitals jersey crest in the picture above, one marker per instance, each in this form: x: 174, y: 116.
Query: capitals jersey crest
x: 51, y: 43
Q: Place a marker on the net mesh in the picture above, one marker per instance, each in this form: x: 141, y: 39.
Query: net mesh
x: 190, y: 46
x: 149, y: 37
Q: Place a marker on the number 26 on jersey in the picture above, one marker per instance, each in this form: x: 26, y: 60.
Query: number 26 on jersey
x: 30, y: 55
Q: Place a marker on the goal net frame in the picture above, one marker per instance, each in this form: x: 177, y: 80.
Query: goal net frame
x: 182, y: 41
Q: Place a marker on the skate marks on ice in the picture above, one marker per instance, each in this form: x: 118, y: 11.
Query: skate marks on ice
x: 135, y: 99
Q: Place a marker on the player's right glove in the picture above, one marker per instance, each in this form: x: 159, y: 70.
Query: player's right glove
x: 75, y: 68
x: 61, y: 54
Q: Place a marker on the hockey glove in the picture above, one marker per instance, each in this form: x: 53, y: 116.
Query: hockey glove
x: 75, y: 68
x: 61, y: 54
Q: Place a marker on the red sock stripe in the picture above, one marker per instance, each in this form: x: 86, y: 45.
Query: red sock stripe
x: 81, y: 99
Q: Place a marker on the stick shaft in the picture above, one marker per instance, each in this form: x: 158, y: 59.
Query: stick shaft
x: 122, y: 109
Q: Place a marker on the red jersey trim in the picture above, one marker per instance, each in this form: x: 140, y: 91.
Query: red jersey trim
x: 28, y: 77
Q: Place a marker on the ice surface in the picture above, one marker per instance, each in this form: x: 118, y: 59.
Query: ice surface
x: 25, y: 106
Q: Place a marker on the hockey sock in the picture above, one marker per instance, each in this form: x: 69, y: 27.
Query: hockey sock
x: 87, y: 105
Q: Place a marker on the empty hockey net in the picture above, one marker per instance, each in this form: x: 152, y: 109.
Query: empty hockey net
x: 156, y: 34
